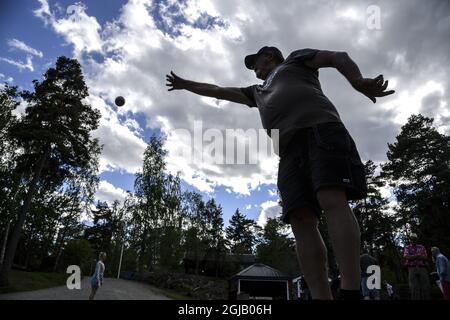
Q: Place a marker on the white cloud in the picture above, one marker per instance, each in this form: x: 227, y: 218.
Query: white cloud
x: 409, y: 102
x: 248, y: 207
x: 139, y: 50
x: 43, y: 11
x: 273, y: 192
x: 5, y: 78
x: 269, y: 209
x: 107, y: 192
x: 78, y: 29
x: 19, y: 64
x: 20, y: 110
x: 122, y: 149
x: 17, y: 44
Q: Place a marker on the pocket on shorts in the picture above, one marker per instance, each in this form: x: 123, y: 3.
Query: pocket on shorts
x: 333, y: 137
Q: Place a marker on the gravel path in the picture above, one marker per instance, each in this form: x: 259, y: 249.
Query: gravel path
x: 112, y: 289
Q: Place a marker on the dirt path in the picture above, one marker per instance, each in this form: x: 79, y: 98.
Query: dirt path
x: 112, y: 289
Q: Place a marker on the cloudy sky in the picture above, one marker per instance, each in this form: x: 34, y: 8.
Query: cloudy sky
x: 127, y: 47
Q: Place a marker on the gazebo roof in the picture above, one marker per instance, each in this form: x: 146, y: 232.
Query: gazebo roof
x: 260, y: 270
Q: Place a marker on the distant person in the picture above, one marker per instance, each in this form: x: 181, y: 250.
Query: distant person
x: 442, y: 271
x: 97, y: 277
x: 390, y: 291
x: 366, y: 261
x: 416, y: 262
x: 335, y: 286
x: 306, y: 294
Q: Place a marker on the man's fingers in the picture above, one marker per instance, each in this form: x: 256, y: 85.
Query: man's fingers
x: 385, y: 85
x: 380, y: 77
x: 386, y: 93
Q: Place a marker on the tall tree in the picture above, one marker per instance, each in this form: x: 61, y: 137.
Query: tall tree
x: 104, y: 223
x: 195, y: 240
x: 378, y: 223
x: 241, y: 233
x: 149, y: 190
x: 215, y: 238
x: 54, y: 137
x: 276, y: 248
x: 377, y: 226
x: 419, y: 171
x: 171, y: 251
x: 10, y: 185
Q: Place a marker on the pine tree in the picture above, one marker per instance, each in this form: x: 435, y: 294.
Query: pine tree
x: 54, y: 137
x: 241, y: 233
x: 276, y: 248
x: 419, y: 171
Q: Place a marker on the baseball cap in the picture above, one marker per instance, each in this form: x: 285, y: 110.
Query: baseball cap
x: 250, y: 59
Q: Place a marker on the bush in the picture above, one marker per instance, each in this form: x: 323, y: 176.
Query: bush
x: 196, y: 287
x: 80, y: 253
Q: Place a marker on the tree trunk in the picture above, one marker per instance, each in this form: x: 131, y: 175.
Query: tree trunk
x: 60, y: 246
x: 63, y: 234
x: 5, y: 241
x: 17, y: 230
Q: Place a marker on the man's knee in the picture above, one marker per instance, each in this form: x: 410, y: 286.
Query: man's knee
x: 332, y: 198
x: 303, y: 218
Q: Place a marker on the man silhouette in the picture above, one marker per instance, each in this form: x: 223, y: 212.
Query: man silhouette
x: 320, y: 168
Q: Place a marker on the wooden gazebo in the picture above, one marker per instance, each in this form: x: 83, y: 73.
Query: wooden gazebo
x: 260, y: 281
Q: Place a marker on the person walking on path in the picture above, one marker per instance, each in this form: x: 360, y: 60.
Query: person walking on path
x: 97, y: 277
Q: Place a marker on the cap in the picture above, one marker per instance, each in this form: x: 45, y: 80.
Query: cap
x: 250, y: 59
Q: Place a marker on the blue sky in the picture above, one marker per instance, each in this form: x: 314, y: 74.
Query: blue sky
x: 127, y: 47
x: 21, y: 23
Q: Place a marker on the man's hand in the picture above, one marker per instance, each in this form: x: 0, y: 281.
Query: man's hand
x: 175, y: 82
x: 372, y: 88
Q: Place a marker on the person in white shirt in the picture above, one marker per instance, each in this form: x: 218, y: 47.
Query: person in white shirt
x: 97, y: 277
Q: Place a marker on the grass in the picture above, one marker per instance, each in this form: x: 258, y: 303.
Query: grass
x: 29, y: 281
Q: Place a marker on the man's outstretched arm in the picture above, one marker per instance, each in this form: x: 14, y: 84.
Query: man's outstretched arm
x: 371, y: 88
x: 175, y: 82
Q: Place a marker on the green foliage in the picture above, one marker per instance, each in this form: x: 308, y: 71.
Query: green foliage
x: 80, y: 253
x: 276, y: 248
x: 241, y: 233
x: 30, y: 281
x: 52, y: 149
x: 419, y: 171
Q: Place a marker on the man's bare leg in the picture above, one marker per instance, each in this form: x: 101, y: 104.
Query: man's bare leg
x: 311, y: 252
x: 93, y: 292
x: 344, y: 235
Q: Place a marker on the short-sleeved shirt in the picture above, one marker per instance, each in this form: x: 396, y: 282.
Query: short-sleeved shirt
x: 443, y: 267
x: 97, y: 277
x: 415, y: 250
x: 291, y: 98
